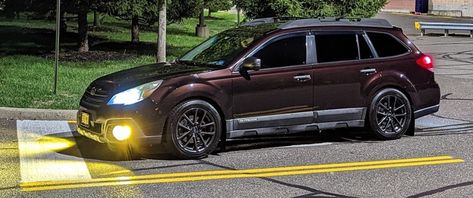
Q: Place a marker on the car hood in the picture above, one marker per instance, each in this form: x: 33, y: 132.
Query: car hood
x: 147, y: 73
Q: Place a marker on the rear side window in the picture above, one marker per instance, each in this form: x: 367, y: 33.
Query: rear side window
x: 386, y: 45
x: 336, y: 47
x: 283, y: 52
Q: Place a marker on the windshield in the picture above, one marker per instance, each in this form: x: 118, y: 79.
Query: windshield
x: 222, y: 49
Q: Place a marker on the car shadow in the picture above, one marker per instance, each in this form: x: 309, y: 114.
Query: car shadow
x: 89, y: 149
x: 352, y: 135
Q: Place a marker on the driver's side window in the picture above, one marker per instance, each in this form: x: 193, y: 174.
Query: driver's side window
x: 288, y: 51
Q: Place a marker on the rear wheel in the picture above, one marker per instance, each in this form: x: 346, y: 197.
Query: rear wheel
x: 390, y: 114
x: 193, y: 130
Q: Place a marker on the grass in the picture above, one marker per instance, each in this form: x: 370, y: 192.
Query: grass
x: 26, y: 72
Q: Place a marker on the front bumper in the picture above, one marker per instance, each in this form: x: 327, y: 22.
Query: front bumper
x: 99, y: 128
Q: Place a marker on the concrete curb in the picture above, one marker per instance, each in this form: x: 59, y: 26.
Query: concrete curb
x: 36, y: 114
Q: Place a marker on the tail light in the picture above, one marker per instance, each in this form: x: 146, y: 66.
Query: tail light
x: 426, y: 62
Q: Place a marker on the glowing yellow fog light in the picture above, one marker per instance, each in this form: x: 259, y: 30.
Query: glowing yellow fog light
x: 121, y: 132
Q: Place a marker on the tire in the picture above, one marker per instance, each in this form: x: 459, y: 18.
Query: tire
x: 390, y: 114
x: 193, y: 130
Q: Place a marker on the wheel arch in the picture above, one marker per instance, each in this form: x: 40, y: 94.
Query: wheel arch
x: 211, y: 102
x: 376, y: 90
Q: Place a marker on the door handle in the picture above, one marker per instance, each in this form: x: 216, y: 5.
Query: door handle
x: 302, y: 78
x: 368, y: 71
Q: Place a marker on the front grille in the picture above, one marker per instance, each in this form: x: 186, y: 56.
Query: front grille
x: 96, y: 94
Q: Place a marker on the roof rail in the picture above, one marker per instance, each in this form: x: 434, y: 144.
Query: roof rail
x: 295, y: 22
x: 337, y: 21
x: 267, y: 20
x: 259, y: 21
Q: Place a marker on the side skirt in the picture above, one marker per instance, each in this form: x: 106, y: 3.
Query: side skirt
x: 295, y: 122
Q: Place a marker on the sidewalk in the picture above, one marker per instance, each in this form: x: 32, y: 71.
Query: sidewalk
x: 36, y: 114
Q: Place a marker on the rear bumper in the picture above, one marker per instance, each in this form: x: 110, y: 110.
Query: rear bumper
x: 426, y: 111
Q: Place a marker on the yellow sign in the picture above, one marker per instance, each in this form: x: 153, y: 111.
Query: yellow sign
x: 417, y: 25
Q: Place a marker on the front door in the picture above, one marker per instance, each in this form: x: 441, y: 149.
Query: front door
x: 281, y: 93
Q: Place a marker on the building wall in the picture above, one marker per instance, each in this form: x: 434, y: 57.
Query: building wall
x: 401, y: 5
x: 460, y: 8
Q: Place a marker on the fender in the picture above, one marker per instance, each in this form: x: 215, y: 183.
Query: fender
x: 389, y: 79
x: 213, y: 91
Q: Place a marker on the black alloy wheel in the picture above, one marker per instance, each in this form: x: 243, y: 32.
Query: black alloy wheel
x: 194, y: 129
x: 390, y: 114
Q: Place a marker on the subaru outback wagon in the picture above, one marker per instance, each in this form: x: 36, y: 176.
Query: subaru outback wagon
x: 266, y: 77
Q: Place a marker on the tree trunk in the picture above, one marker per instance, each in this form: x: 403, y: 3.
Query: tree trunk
x: 210, y: 13
x: 238, y: 16
x: 161, y: 55
x: 83, y: 26
x: 135, y: 29
x: 202, y: 19
x: 96, y: 19
x: 63, y: 21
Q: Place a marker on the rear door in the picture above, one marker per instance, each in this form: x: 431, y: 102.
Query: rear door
x: 343, y: 64
x: 281, y: 93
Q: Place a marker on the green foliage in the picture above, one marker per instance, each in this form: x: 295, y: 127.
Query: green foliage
x: 180, y: 9
x: 147, y: 10
x: 216, y: 5
x: 126, y: 9
x: 25, y: 80
x: 311, y: 8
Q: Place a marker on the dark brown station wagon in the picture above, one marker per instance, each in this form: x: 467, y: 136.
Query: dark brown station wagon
x: 266, y: 77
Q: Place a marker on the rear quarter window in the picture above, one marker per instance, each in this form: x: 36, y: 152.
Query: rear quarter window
x: 386, y: 45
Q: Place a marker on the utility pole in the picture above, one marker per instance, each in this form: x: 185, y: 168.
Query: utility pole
x: 58, y: 30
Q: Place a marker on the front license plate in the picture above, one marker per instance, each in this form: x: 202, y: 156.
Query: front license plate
x: 85, y: 118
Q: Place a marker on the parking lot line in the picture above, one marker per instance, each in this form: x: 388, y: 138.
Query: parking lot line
x: 39, y: 143
x: 238, y: 174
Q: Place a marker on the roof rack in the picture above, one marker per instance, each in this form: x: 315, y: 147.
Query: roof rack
x: 337, y: 21
x: 295, y: 22
x: 259, y: 21
x: 268, y: 20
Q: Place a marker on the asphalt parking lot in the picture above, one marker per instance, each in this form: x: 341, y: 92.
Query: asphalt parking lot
x: 48, y: 159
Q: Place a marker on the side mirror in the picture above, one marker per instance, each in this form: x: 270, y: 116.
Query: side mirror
x: 251, y: 63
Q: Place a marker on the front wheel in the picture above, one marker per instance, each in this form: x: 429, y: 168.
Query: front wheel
x: 390, y: 114
x: 193, y: 130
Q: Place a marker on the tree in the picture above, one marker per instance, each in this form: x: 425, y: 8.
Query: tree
x: 161, y: 54
x: 216, y: 5
x: 83, y: 25
x: 14, y: 7
x: 128, y: 10
x: 310, y: 8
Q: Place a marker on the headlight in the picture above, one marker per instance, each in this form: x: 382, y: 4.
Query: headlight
x: 134, y: 95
